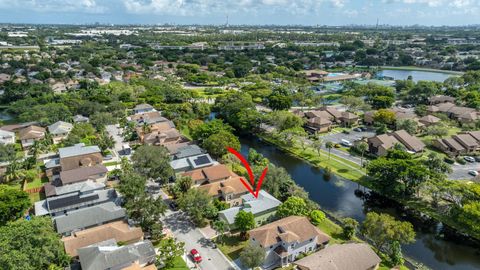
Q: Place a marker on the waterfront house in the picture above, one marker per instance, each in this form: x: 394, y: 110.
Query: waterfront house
x: 285, y: 239
x: 230, y: 190
x: 351, y: 256
x: 263, y: 209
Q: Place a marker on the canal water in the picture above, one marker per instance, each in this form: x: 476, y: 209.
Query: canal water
x: 343, y: 199
x: 416, y: 75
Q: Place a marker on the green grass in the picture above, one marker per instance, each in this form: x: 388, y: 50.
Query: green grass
x: 331, y: 228
x: 35, y: 197
x: 37, y: 182
x: 178, y: 264
x: 111, y: 163
x: 185, y: 131
x: 231, y: 246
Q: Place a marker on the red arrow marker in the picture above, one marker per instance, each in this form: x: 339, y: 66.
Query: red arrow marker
x: 250, y: 174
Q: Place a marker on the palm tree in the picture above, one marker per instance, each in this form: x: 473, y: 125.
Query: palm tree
x: 14, y: 172
x: 329, y: 146
x: 219, y: 226
x: 318, y: 146
x: 362, y: 147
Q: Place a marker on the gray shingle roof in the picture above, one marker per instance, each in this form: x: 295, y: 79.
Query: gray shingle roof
x: 85, y: 186
x: 111, y: 256
x: 77, y: 150
x: 60, y: 127
x: 88, y: 217
x: 188, y: 151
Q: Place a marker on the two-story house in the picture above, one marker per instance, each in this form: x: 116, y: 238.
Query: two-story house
x: 59, y: 131
x: 285, y: 239
x: 30, y: 134
x: 229, y: 190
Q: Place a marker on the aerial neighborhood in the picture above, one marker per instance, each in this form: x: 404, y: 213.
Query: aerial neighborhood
x: 120, y: 147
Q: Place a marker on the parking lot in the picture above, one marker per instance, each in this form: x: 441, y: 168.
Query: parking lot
x: 337, y: 137
x: 460, y: 172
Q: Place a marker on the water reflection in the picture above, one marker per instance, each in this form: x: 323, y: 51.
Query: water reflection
x: 345, y: 199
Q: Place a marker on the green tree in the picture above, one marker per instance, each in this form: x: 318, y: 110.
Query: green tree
x: 329, y: 146
x: 349, y: 228
x: 317, y: 217
x: 198, y: 205
x: 293, y: 206
x: 217, y: 143
x: 409, y: 125
x: 317, y: 144
x: 146, y: 211
x: 13, y: 204
x: 131, y: 185
x: 202, y: 131
x: 219, y: 226
x: 384, y: 116
x: 14, y: 172
x: 382, y: 230
x: 253, y: 255
x: 184, y: 183
x: 7, y: 152
x: 244, y: 221
x: 278, y: 102
x: 168, y: 250
x: 31, y: 245
x: 153, y: 162
x: 437, y: 131
x: 396, y: 255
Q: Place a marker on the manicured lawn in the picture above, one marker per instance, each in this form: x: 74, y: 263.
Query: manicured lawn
x: 37, y: 182
x: 178, y: 264
x: 231, y: 246
x: 35, y: 197
x: 111, y: 163
x: 329, y: 227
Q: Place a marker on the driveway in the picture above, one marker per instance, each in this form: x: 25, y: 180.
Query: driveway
x: 460, y: 172
x: 116, y: 134
x: 184, y: 230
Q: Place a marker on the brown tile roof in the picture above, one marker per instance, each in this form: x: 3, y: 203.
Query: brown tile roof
x: 81, y: 174
x: 300, y: 229
x: 232, y: 185
x: 136, y: 266
x: 321, y: 114
x: 453, y: 144
x: 353, y: 256
x: 445, y: 107
x: 458, y: 111
x: 429, y: 119
x: 173, y: 148
x: 31, y: 132
x: 333, y: 111
x: 475, y: 134
x: 319, y: 121
x: 411, y: 142
x: 465, y: 139
x: 349, y: 115
x: 118, y: 230
x: 217, y: 172
x: 386, y: 140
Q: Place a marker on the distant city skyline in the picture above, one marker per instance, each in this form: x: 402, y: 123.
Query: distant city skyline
x: 243, y: 12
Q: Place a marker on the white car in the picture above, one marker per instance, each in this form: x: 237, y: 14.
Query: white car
x: 473, y: 173
x: 469, y: 159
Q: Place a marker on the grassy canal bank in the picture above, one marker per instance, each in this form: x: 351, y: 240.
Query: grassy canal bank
x: 350, y: 171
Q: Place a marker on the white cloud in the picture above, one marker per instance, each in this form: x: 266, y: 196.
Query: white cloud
x: 206, y: 7
x: 88, y: 6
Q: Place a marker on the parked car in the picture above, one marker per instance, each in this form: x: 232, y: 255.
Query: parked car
x: 346, y: 143
x: 346, y: 131
x: 364, y: 128
x: 173, y: 205
x: 357, y: 129
x: 108, y: 157
x: 195, y: 256
x: 477, y: 158
x: 473, y: 173
x: 469, y: 159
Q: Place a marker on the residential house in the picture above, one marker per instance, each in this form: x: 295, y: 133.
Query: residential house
x: 7, y: 137
x: 89, y: 217
x: 147, y: 118
x: 467, y: 141
x: 109, y: 255
x: 210, y: 174
x: 188, y: 151
x: 263, y: 208
x: 411, y: 143
x: 97, y: 173
x: 59, y: 87
x: 230, y: 190
x: 429, y: 120
x: 350, y: 256
x: 450, y: 146
x: 61, y: 205
x: 318, y: 124
x: 80, y: 119
x: 118, y: 230
x: 82, y: 187
x: 143, y: 108
x: 4, y: 78
x: 285, y: 239
x: 379, y: 145
x: 171, y: 136
x: 192, y: 163
x: 349, y: 119
x: 461, y: 114
x: 59, y: 131
x: 441, y: 99
x: 30, y: 134
x: 79, y: 155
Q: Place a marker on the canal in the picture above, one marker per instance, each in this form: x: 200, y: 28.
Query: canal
x: 343, y: 199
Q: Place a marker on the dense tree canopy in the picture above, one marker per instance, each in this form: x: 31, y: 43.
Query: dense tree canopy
x: 13, y: 203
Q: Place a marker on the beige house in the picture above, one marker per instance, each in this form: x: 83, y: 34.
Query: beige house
x: 31, y: 134
x: 210, y: 174
x: 379, y: 145
x: 59, y: 131
x: 351, y: 256
x: 118, y: 230
x: 229, y: 190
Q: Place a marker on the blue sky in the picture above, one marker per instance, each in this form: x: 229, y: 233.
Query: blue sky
x: 306, y: 12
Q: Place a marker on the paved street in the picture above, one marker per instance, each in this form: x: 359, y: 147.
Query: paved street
x: 460, y: 172
x: 186, y: 232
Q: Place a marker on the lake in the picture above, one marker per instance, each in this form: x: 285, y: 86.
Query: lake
x: 416, y: 75
x: 341, y: 198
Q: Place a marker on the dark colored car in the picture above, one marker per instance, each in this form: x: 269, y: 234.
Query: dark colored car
x: 174, y: 206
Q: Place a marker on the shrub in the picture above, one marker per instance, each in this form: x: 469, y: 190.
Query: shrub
x: 461, y: 161
x: 449, y: 160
